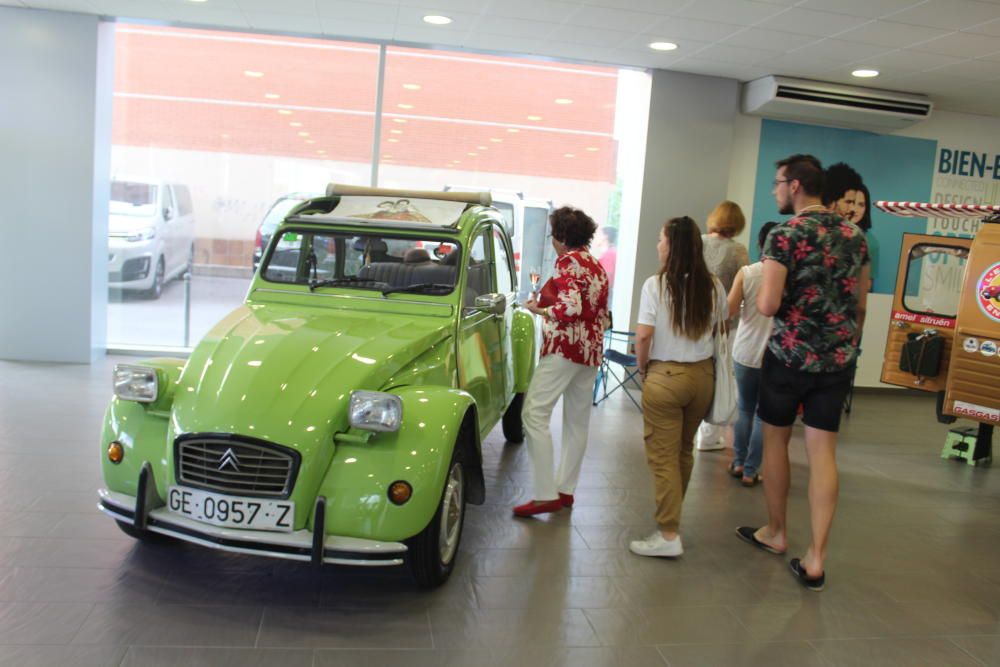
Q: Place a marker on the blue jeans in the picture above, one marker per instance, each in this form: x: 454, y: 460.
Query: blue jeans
x: 747, y: 434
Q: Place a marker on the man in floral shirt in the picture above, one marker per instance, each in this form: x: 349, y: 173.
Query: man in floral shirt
x: 813, y: 266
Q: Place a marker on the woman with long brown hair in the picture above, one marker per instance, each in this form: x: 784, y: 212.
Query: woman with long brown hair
x: 679, y: 309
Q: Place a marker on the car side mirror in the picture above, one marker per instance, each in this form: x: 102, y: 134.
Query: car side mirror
x: 492, y: 303
x: 168, y: 213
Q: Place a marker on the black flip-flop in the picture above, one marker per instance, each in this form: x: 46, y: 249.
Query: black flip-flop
x: 733, y: 472
x: 812, y: 583
x: 746, y: 533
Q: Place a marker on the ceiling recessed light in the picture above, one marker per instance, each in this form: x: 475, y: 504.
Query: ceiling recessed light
x: 496, y: 140
x: 321, y: 151
x: 198, y: 0
x: 253, y: 74
x: 398, y: 120
x: 395, y: 131
x: 402, y: 105
x: 303, y: 134
x: 224, y: 135
x: 534, y: 117
x: 456, y: 162
x: 272, y: 96
x: 310, y: 141
x: 592, y: 149
x: 295, y: 123
x: 435, y: 19
x: 472, y: 154
x: 513, y: 130
x: 411, y: 86
x: 482, y: 148
x: 865, y: 73
x: 663, y: 46
x: 393, y: 141
x: 386, y: 157
x: 285, y: 112
x: 563, y: 100
x: 569, y: 155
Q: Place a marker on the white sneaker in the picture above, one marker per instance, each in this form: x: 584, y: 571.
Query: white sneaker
x: 703, y: 446
x: 656, y: 545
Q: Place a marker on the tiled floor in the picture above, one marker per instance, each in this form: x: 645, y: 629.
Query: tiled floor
x: 913, y: 573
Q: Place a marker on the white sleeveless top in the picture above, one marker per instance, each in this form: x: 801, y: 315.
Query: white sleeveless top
x: 754, y: 328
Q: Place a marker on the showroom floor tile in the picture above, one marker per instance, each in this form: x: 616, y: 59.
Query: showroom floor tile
x: 913, y: 572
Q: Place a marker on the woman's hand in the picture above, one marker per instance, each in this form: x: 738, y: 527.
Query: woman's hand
x: 532, y: 305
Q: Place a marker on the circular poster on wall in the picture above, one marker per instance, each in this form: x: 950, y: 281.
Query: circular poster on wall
x: 988, y: 292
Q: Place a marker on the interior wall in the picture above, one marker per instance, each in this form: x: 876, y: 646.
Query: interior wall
x: 54, y: 128
x: 688, y: 154
x: 949, y: 129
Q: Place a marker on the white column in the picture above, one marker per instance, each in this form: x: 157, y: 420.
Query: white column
x: 55, y: 129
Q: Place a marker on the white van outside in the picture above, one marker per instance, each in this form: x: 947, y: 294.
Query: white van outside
x: 528, y: 223
x: 150, y: 235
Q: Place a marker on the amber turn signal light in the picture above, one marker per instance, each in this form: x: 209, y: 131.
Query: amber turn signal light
x: 116, y: 452
x: 400, y: 492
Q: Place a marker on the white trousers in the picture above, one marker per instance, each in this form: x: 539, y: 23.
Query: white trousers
x: 557, y: 377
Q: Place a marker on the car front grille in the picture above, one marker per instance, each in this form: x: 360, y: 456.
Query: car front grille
x: 236, y: 466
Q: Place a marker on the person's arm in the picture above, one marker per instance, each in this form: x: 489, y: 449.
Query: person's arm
x: 772, y: 287
x: 862, y: 291
x: 643, y: 341
x: 736, y: 295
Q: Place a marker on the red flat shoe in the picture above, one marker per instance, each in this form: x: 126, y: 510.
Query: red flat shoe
x: 566, y: 499
x: 533, y: 507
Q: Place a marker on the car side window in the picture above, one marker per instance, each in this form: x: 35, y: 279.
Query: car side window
x: 478, y: 278
x: 505, y: 280
x: 183, y: 200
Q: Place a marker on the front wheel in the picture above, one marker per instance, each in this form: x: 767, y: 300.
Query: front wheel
x: 433, y: 551
x: 156, y: 289
x: 513, y: 428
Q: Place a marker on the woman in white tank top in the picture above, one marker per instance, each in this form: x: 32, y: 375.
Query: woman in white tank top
x: 748, y: 350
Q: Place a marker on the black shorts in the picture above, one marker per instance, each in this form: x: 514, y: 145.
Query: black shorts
x: 783, y: 389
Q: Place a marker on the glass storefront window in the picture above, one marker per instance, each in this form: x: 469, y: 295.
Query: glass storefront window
x: 214, y: 136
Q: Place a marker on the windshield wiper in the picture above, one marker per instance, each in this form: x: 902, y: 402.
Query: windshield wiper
x: 419, y: 287
x: 346, y: 280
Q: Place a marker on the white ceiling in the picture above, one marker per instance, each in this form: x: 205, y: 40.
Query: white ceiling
x: 948, y: 49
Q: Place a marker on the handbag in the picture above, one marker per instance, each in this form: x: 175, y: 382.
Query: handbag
x: 722, y: 411
x: 548, y: 295
x: 921, y: 354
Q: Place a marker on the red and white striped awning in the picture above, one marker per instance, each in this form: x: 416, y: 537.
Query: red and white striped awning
x: 912, y: 209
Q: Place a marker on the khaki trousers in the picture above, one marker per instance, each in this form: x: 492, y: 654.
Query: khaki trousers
x: 675, y: 398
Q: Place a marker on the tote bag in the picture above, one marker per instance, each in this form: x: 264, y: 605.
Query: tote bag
x: 722, y: 412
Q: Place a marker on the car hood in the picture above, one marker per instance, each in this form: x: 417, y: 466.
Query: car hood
x: 285, y: 373
x: 127, y: 224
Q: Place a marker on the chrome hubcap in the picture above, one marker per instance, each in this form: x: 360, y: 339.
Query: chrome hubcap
x: 452, y: 508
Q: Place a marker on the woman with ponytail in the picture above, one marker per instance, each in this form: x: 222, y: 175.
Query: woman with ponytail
x: 679, y: 309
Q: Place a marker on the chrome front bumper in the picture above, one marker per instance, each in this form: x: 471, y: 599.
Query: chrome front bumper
x: 301, y: 545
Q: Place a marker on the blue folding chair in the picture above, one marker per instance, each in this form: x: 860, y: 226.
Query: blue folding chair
x: 614, y: 356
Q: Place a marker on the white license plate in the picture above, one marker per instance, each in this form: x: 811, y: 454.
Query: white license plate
x: 231, y: 511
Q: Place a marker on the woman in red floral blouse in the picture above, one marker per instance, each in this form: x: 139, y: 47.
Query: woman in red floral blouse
x: 574, y: 311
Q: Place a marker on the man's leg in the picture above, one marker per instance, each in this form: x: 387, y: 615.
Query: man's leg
x: 821, y: 448
x: 776, y: 481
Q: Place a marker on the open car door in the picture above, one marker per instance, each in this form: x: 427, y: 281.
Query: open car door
x: 924, y: 311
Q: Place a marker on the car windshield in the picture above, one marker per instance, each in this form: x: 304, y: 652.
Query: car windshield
x: 413, y: 265
x: 130, y: 198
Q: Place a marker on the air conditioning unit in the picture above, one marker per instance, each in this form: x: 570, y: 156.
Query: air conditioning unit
x: 833, y: 104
